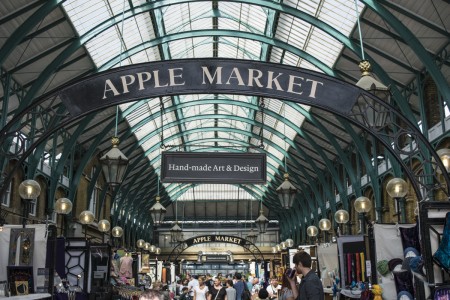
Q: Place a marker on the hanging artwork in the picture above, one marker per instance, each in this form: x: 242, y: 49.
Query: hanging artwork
x: 20, y: 280
x: 21, y: 247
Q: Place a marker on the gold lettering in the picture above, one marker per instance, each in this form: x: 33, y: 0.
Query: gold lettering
x: 173, y: 75
x: 271, y: 80
x: 156, y: 76
x: 251, y: 77
x: 218, y: 72
x: 141, y: 79
x: 235, y: 74
x: 109, y: 87
x: 314, y: 83
x: 292, y: 83
x: 126, y: 83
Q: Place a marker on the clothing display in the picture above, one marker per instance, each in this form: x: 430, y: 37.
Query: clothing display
x: 126, y: 263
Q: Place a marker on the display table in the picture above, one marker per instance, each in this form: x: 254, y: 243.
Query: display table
x: 354, y: 294
x: 30, y: 296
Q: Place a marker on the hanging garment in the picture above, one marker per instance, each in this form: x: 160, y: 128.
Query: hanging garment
x: 442, y: 255
x: 363, y: 266
x: 358, y: 267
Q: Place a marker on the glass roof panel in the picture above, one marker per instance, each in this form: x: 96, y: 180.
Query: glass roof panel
x: 203, y: 15
x: 216, y: 192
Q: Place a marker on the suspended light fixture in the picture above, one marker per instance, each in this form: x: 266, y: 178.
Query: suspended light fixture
x: 175, y: 233
x: 286, y: 191
x: 152, y: 249
x: 262, y: 222
x: 28, y: 190
x: 375, y: 114
x: 252, y: 236
x: 158, y: 251
x: 114, y: 164
x: 157, y: 211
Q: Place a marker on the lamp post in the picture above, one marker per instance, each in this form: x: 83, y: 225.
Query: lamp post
x: 312, y: 232
x: 325, y: 226
x: 114, y: 164
x: 362, y: 205
x: 397, y: 188
x: 444, y: 155
x: 117, y: 232
x: 341, y: 217
x: 286, y: 192
x: 141, y: 244
x: 157, y: 211
x: 63, y: 206
x: 86, y: 218
x: 28, y: 190
x: 103, y: 226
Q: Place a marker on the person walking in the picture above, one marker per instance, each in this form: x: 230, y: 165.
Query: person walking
x: 201, y: 290
x: 311, y: 287
x: 231, y: 291
x: 239, y: 286
x: 217, y: 291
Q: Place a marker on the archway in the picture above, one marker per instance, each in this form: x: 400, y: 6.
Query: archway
x: 215, y: 238
x: 242, y: 77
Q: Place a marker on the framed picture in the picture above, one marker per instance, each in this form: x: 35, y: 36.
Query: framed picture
x: 20, y: 280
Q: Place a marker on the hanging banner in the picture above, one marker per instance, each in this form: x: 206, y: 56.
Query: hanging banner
x: 213, y: 167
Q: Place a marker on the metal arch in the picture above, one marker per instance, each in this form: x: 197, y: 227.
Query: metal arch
x: 181, y: 246
x: 357, y: 117
x: 144, y: 8
x: 413, y: 43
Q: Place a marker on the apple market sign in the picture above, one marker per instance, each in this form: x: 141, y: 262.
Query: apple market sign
x: 206, y: 76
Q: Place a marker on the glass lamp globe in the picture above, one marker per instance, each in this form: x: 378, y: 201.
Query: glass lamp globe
x: 312, y: 231
x: 362, y: 204
x: 140, y: 243
x: 152, y: 248
x: 325, y: 224
x: 341, y: 216
x: 63, y: 206
x: 397, y: 188
x: 283, y: 245
x: 444, y: 155
x: 278, y: 247
x: 274, y: 249
x: 289, y: 243
x: 104, y: 225
x: 158, y: 251
x: 147, y: 246
x: 117, y: 231
x: 86, y: 217
x: 29, y: 189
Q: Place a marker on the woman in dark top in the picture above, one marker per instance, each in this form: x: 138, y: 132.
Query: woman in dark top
x: 217, y: 291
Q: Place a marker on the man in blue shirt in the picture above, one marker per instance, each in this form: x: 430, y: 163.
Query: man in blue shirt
x: 239, y: 286
x: 311, y: 287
